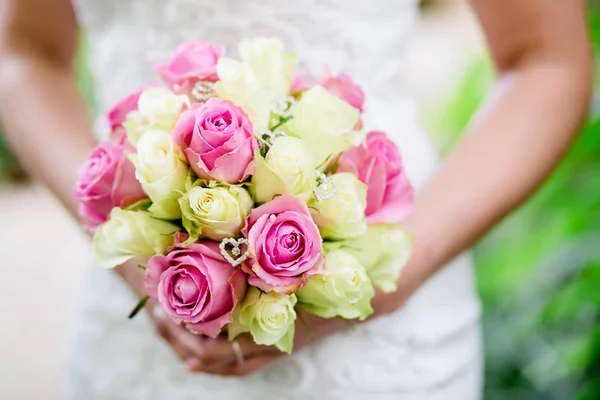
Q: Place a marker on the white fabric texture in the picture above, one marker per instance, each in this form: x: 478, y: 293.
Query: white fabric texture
x: 429, y: 349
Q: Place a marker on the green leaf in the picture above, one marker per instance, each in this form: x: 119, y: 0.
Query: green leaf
x: 138, y: 307
x: 142, y: 205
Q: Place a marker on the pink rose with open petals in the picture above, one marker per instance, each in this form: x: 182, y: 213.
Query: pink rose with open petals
x: 284, y: 245
x: 106, y: 180
x: 192, y: 62
x: 343, y: 88
x: 196, y: 286
x: 117, y: 114
x: 218, y: 141
x: 378, y: 164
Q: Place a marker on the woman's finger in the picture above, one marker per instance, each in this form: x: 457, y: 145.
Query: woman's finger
x: 169, y: 331
x: 220, y: 356
x: 218, y: 351
x: 193, y: 343
x: 254, y: 364
x: 166, y: 332
x: 249, y: 366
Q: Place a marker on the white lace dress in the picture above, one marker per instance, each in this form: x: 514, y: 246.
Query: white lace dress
x: 430, y: 349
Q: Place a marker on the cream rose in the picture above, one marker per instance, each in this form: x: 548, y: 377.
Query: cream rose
x: 263, y: 76
x: 288, y: 168
x: 130, y: 235
x: 342, y: 215
x: 161, y: 169
x: 215, y: 213
x: 324, y: 122
x: 269, y: 317
x: 384, y: 250
x: 272, y: 66
x: 158, y: 108
x: 343, y: 290
x: 239, y: 84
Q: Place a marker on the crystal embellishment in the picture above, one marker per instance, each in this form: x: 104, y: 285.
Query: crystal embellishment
x: 325, y: 187
x: 235, y: 250
x: 203, y: 90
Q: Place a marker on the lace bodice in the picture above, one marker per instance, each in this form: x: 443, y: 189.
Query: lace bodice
x: 428, y: 350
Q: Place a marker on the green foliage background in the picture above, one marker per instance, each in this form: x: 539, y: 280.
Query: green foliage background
x: 539, y: 271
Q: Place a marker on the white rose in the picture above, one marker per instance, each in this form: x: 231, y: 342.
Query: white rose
x: 158, y: 108
x: 342, y: 215
x: 343, y: 290
x: 239, y: 84
x: 269, y: 317
x: 130, y: 235
x: 384, y: 250
x: 215, y: 213
x: 324, y: 122
x: 288, y: 168
x: 162, y: 171
x: 272, y: 66
x: 263, y: 76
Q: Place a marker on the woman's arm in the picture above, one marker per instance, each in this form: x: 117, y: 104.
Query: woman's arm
x: 544, y: 79
x: 46, y: 120
x: 542, y: 56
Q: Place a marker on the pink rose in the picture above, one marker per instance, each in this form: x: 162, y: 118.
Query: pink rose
x: 106, y: 180
x: 343, y: 88
x: 196, y: 286
x: 299, y: 83
x: 192, y: 61
x: 284, y: 244
x: 117, y: 114
x: 378, y: 164
x: 217, y: 140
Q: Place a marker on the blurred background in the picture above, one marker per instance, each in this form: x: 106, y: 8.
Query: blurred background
x: 538, y: 272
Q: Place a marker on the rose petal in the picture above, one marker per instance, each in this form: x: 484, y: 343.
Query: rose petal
x: 376, y: 186
x: 397, y: 204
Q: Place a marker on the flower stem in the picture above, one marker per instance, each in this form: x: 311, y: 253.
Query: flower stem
x: 138, y: 307
x: 281, y: 122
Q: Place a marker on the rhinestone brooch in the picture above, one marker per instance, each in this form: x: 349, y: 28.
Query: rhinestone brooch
x: 233, y: 246
x: 203, y: 90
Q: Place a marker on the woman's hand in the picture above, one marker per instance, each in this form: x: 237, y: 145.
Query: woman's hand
x: 219, y: 354
x: 199, y: 353
x: 186, y: 345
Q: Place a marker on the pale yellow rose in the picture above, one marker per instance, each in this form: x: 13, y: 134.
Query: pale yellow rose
x: 288, y: 168
x: 272, y: 66
x: 216, y: 212
x: 130, y: 235
x: 384, y: 250
x: 239, y: 84
x: 342, y: 215
x: 158, y: 108
x: 263, y: 76
x: 343, y: 290
x: 269, y: 317
x: 325, y: 122
x: 162, y: 170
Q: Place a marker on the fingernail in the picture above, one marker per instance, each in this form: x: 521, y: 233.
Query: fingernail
x: 192, y: 364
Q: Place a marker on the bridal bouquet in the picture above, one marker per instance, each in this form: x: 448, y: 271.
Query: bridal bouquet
x: 245, y: 193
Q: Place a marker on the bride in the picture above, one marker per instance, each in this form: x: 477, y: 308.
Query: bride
x: 425, y: 341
